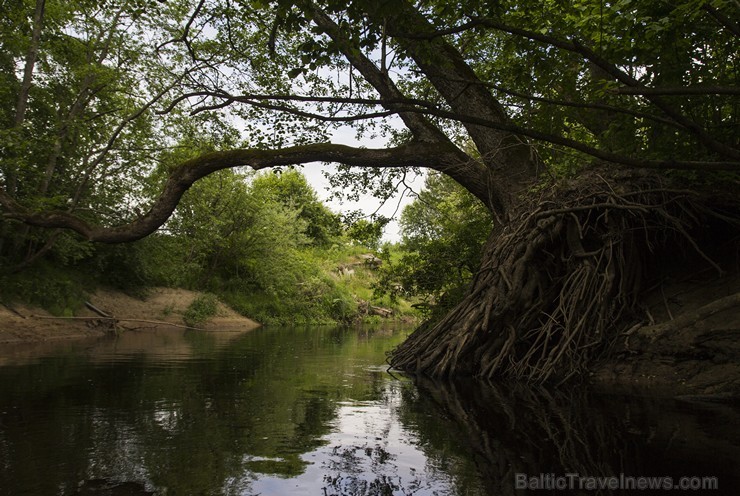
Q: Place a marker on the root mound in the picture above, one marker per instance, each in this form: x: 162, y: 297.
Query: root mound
x: 563, y: 282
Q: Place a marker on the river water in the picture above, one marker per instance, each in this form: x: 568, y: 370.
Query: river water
x: 314, y: 411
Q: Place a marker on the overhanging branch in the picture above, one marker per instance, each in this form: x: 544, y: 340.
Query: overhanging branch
x: 437, y: 156
x: 585, y: 148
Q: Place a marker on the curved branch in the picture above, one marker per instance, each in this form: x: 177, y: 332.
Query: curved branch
x: 583, y: 147
x: 426, y: 108
x: 299, y: 113
x: 415, y: 154
x: 251, y: 98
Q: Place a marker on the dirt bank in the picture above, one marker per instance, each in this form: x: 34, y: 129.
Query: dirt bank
x: 688, y: 344
x: 22, y: 323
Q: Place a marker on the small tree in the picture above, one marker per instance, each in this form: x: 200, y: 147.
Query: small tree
x: 367, y: 233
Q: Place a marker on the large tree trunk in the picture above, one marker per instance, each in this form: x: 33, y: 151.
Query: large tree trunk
x: 511, y: 163
x: 559, y: 287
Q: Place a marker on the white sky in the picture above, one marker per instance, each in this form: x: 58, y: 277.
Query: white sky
x: 368, y: 204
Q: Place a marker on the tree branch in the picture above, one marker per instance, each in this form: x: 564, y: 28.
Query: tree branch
x: 587, y: 149
x: 510, y: 162
x: 576, y: 47
x: 422, y: 107
x: 678, y: 91
x: 297, y: 112
x: 586, y: 105
x: 415, y: 154
x: 422, y: 129
x: 722, y: 19
x: 470, y: 173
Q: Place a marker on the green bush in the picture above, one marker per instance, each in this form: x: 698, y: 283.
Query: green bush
x: 58, y: 290
x: 201, y: 309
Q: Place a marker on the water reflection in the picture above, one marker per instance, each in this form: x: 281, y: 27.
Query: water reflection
x: 511, y: 430
x: 313, y: 411
x: 278, y: 411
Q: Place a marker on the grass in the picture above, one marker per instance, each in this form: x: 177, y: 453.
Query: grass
x: 321, y: 295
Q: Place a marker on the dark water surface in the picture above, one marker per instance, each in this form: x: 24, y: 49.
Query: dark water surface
x: 313, y: 411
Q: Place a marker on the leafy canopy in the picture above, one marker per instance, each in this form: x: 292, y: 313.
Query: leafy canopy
x: 100, y: 98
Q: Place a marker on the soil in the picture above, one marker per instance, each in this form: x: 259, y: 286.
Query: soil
x: 162, y: 307
x: 695, y: 360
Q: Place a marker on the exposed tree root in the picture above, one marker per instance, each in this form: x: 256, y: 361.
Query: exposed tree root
x: 562, y: 281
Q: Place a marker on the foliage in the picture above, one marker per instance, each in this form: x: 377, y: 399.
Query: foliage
x: 59, y: 291
x: 201, y: 309
x: 114, y: 113
x: 367, y: 232
x: 96, y: 97
x: 444, y: 230
x: 290, y: 189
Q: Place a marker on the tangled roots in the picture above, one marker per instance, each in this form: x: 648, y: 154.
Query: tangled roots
x: 562, y: 281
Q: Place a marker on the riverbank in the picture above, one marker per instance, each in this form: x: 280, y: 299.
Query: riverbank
x: 161, y: 308
x: 688, y: 344
x: 700, y: 358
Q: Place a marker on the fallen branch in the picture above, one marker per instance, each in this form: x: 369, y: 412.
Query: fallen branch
x: 97, y: 310
x: 13, y: 310
x: 116, y: 320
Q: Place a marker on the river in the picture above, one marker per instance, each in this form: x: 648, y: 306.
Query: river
x: 314, y: 411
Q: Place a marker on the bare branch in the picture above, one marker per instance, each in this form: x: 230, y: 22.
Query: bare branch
x: 184, y: 38
x: 678, y: 91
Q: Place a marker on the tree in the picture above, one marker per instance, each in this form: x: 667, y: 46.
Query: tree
x: 291, y: 189
x: 367, y: 232
x: 81, y: 136
x: 444, y: 230
x: 535, y: 86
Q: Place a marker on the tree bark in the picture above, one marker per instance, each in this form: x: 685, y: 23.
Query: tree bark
x: 511, y: 163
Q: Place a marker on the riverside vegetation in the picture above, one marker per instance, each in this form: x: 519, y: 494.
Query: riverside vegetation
x: 264, y: 244
x: 600, y: 138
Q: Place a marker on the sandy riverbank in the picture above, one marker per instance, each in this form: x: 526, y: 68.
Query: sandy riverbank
x: 23, y: 324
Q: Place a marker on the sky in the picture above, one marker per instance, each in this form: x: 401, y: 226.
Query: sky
x: 368, y: 204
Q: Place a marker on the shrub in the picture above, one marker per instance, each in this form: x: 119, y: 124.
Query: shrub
x: 201, y: 309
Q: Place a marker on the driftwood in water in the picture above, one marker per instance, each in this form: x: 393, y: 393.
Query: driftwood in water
x: 383, y: 312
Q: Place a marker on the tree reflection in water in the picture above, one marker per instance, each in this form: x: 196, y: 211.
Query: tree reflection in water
x: 313, y: 411
x: 513, y: 429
